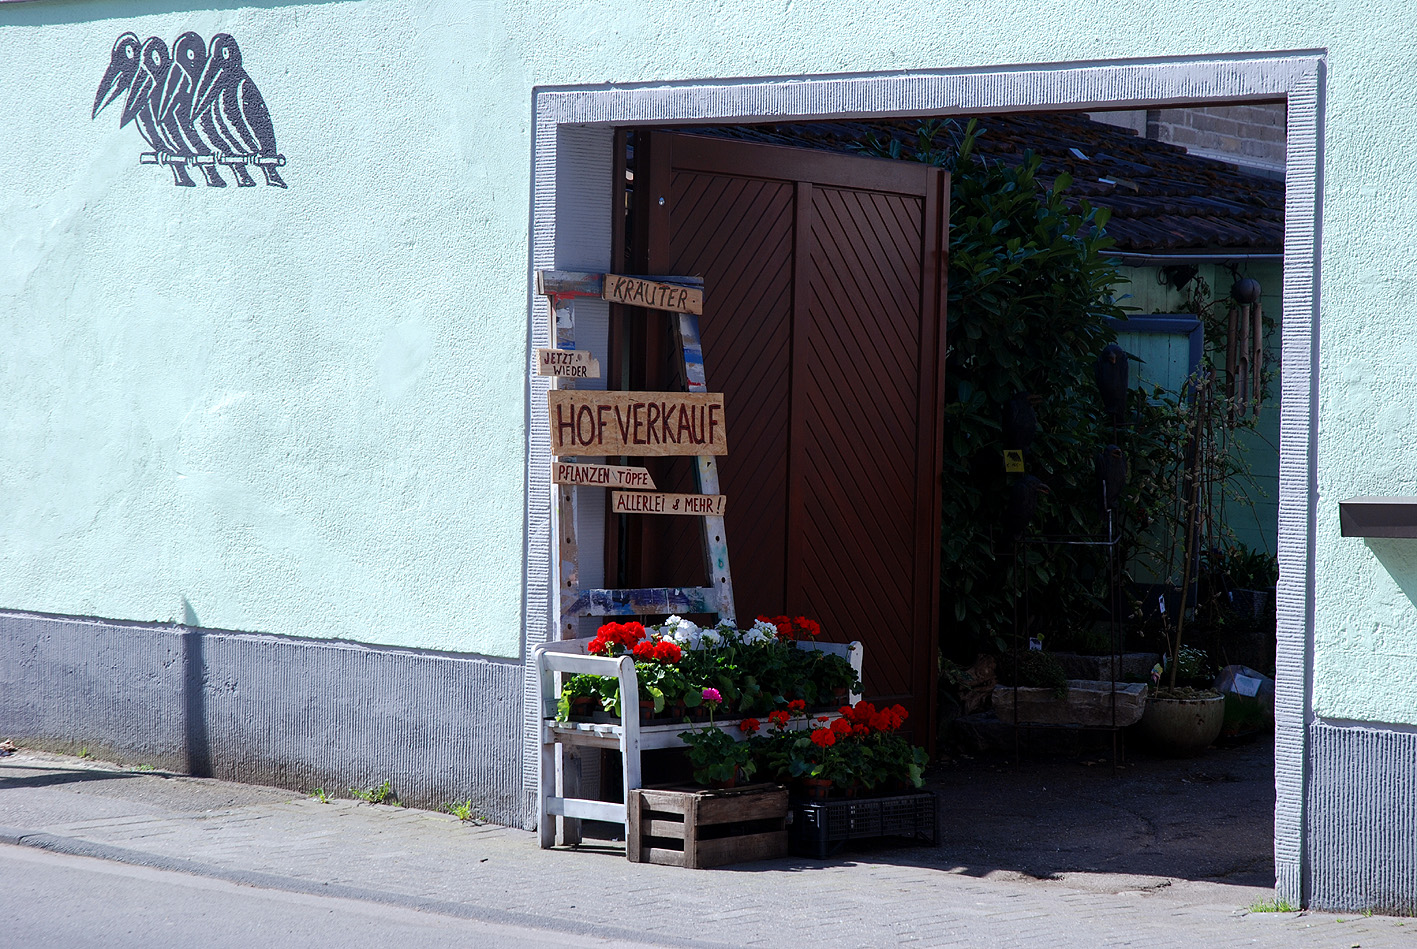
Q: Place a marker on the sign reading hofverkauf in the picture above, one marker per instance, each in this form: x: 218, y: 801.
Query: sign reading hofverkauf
x: 636, y: 423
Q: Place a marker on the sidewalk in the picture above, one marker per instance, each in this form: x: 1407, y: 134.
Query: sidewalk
x: 1026, y: 890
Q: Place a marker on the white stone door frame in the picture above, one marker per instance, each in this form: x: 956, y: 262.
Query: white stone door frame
x: 571, y: 228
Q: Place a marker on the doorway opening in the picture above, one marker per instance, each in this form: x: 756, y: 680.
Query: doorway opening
x: 576, y: 144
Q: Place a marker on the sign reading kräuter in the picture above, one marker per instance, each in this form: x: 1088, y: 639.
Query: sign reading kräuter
x: 636, y: 423
x: 654, y: 294
x: 642, y: 502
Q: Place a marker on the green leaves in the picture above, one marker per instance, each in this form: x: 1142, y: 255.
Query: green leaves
x: 1030, y: 292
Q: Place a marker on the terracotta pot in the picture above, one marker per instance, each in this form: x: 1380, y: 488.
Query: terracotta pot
x: 646, y: 710
x: 1183, y: 727
x: 582, y: 706
x: 816, y: 789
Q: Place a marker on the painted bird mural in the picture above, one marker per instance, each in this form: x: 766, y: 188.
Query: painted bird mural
x: 195, y: 107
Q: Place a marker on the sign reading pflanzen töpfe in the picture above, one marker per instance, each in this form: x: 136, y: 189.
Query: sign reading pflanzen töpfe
x: 609, y: 476
x: 634, y: 291
x: 643, y: 502
x: 636, y: 423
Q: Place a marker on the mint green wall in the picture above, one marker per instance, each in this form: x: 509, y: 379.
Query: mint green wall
x: 293, y: 411
x: 303, y: 411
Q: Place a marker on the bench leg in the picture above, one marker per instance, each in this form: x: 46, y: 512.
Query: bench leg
x: 570, y: 787
x: 546, y: 779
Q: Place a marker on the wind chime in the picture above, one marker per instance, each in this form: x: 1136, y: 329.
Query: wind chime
x: 1244, y: 349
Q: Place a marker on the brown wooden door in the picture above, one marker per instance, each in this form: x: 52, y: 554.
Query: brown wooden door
x: 823, y: 327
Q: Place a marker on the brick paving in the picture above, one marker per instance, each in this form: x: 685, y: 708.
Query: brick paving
x: 432, y: 862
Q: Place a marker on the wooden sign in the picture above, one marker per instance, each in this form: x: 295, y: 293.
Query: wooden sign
x: 636, y: 423
x: 609, y: 476
x: 634, y: 291
x: 642, y: 502
x: 567, y: 363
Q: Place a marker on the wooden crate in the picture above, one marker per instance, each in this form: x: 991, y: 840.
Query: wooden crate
x: 696, y: 828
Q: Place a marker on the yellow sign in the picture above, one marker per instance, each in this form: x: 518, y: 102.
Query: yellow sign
x: 1013, y: 461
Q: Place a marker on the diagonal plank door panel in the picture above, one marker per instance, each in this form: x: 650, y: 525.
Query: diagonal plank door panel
x: 821, y: 325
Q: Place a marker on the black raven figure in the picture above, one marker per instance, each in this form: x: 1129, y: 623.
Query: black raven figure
x: 1111, y: 476
x: 1021, y: 504
x: 1020, y: 422
x: 227, y: 95
x: 174, y: 111
x: 122, y: 70
x: 1111, y: 373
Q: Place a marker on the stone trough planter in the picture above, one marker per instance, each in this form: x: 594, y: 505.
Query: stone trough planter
x: 1088, y: 703
x: 1184, y: 727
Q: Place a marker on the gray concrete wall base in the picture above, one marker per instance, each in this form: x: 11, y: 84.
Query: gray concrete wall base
x: 295, y: 714
x: 1363, y: 818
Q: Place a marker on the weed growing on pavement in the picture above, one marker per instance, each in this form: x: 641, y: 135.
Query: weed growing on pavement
x: 462, y: 811
x: 383, y: 794
x: 1275, y: 905
x: 143, y: 767
x: 84, y: 753
x: 320, y: 795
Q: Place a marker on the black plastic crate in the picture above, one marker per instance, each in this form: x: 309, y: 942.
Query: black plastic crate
x: 819, y: 828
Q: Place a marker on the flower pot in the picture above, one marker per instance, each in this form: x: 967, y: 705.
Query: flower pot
x: 646, y: 711
x: 582, y: 706
x: 816, y: 789
x: 1183, y: 727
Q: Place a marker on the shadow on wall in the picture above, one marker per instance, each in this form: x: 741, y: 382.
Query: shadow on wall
x: 50, y: 14
x: 194, y: 696
x: 1399, y: 557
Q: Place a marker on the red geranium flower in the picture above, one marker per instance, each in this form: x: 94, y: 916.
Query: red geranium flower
x: 860, y: 731
x: 824, y: 737
x: 797, y: 705
x: 779, y: 718
x: 668, y: 652
x: 749, y: 726
x: 841, y: 726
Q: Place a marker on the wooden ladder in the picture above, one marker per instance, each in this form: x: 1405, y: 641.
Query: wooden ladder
x: 572, y: 601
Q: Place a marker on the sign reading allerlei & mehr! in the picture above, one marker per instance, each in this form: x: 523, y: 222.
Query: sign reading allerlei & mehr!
x: 609, y: 476
x: 567, y: 363
x: 636, y: 423
x: 643, y: 502
x: 633, y: 291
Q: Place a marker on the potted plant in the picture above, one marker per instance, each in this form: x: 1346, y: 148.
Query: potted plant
x: 718, y: 759
x: 860, y: 751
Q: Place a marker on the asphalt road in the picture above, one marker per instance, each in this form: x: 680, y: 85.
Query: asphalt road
x: 55, y: 900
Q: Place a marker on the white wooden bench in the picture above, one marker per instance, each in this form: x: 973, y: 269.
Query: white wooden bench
x: 559, y: 775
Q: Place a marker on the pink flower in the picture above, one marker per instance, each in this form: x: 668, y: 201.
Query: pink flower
x: 712, y: 695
